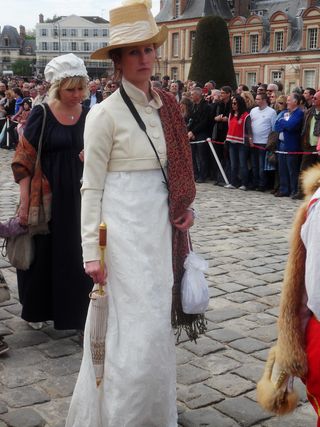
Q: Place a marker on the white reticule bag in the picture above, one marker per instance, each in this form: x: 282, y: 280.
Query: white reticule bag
x: 194, y: 286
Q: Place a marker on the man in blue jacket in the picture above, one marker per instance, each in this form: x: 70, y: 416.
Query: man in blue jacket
x: 289, y: 127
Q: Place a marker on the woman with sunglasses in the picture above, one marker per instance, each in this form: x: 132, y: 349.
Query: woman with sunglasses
x: 239, y: 137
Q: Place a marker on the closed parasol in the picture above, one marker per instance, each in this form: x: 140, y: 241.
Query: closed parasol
x: 99, y: 314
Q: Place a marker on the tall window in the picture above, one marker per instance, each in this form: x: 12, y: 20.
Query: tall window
x: 254, y: 43
x: 64, y: 32
x: 73, y: 32
x: 278, y: 41
x: 55, y: 46
x: 238, y: 78
x: 73, y: 46
x: 86, y: 46
x: 192, y: 40
x: 237, y: 42
x: 105, y: 32
x: 6, y: 41
x: 175, y: 44
x: 176, y: 8
x: 309, y: 78
x: 44, y: 46
x: 44, y: 32
x: 86, y: 32
x: 95, y: 32
x: 276, y: 76
x: 174, y: 73
x: 251, y: 79
x: 55, y: 32
x: 313, y: 38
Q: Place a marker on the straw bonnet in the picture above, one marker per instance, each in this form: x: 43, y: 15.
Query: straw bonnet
x: 64, y: 66
x: 132, y: 24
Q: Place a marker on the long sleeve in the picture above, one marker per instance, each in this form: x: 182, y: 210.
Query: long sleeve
x: 97, y: 148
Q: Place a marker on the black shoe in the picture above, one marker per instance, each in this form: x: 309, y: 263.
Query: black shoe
x: 279, y: 194
x: 261, y: 189
x: 297, y: 196
x: 200, y: 181
x: 3, y: 346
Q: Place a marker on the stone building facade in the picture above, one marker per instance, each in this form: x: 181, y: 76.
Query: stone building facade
x: 270, y: 40
x: 14, y: 46
x: 80, y: 35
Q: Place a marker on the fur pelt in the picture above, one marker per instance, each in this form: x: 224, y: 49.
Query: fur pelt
x: 273, y: 394
x: 291, y: 341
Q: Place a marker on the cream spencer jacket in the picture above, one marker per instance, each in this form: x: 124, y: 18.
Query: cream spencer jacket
x: 113, y: 142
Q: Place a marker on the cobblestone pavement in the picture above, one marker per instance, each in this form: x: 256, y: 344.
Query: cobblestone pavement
x: 244, y: 237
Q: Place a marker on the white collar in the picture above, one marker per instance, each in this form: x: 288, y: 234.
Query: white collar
x: 140, y: 97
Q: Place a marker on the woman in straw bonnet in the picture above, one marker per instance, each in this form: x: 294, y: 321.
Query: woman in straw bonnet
x: 124, y: 186
x: 55, y: 287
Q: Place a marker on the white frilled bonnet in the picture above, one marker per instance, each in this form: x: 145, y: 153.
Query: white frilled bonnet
x: 132, y: 24
x: 64, y: 66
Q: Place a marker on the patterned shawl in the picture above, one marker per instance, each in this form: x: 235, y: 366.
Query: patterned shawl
x: 181, y: 194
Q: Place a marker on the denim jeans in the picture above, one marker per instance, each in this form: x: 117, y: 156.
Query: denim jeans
x: 239, y: 154
x: 289, y: 167
x: 258, y: 158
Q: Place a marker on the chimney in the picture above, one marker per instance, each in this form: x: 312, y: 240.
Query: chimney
x: 161, y: 4
x: 242, y: 8
x: 41, y: 20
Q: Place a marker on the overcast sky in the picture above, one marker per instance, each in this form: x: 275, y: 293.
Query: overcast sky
x: 26, y: 12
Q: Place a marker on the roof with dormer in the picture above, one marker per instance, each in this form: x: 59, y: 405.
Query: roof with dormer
x: 10, y: 34
x: 195, y: 9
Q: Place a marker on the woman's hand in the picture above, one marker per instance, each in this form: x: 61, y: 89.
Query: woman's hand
x: 93, y: 269
x: 81, y: 155
x: 185, y: 221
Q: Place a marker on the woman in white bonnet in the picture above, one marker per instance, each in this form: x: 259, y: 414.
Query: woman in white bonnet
x: 55, y: 287
x: 123, y: 185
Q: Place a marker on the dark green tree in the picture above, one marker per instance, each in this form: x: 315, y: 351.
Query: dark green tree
x: 212, y: 57
x: 22, y: 67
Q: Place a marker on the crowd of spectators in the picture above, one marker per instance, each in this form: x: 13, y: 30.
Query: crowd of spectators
x: 262, y: 137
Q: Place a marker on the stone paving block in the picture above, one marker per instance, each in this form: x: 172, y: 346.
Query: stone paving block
x: 22, y: 357
x: 248, y: 345
x: 262, y: 291
x: 224, y: 335
x: 261, y: 355
x: 204, y: 346
x: 217, y: 364
x: 222, y: 314
x: 60, y: 348
x: 230, y: 384
x: 265, y: 333
x: 12, y: 378
x: 4, y: 314
x: 303, y: 416
x: 24, y: 418
x: 231, y: 287
x: 3, y: 407
x: 4, y: 330
x: 250, y: 371
x: 215, y: 292
x: 62, y: 366
x: 56, y: 411
x: 249, y: 282
x: 189, y: 374
x: 262, y: 319
x: 243, y: 410
x: 239, y: 356
x: 277, y: 276
x: 57, y: 387
x: 240, y: 297
x: 254, y: 307
x: 274, y: 311
x: 17, y: 324
x: 14, y: 309
x: 26, y: 339
x: 25, y: 396
x: 198, y: 396
x: 261, y: 270
x: 241, y: 325
x: 205, y: 417
x: 183, y: 356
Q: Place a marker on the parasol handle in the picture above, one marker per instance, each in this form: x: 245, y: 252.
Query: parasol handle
x: 102, y: 245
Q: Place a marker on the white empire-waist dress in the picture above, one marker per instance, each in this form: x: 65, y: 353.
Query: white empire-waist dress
x: 139, y: 384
